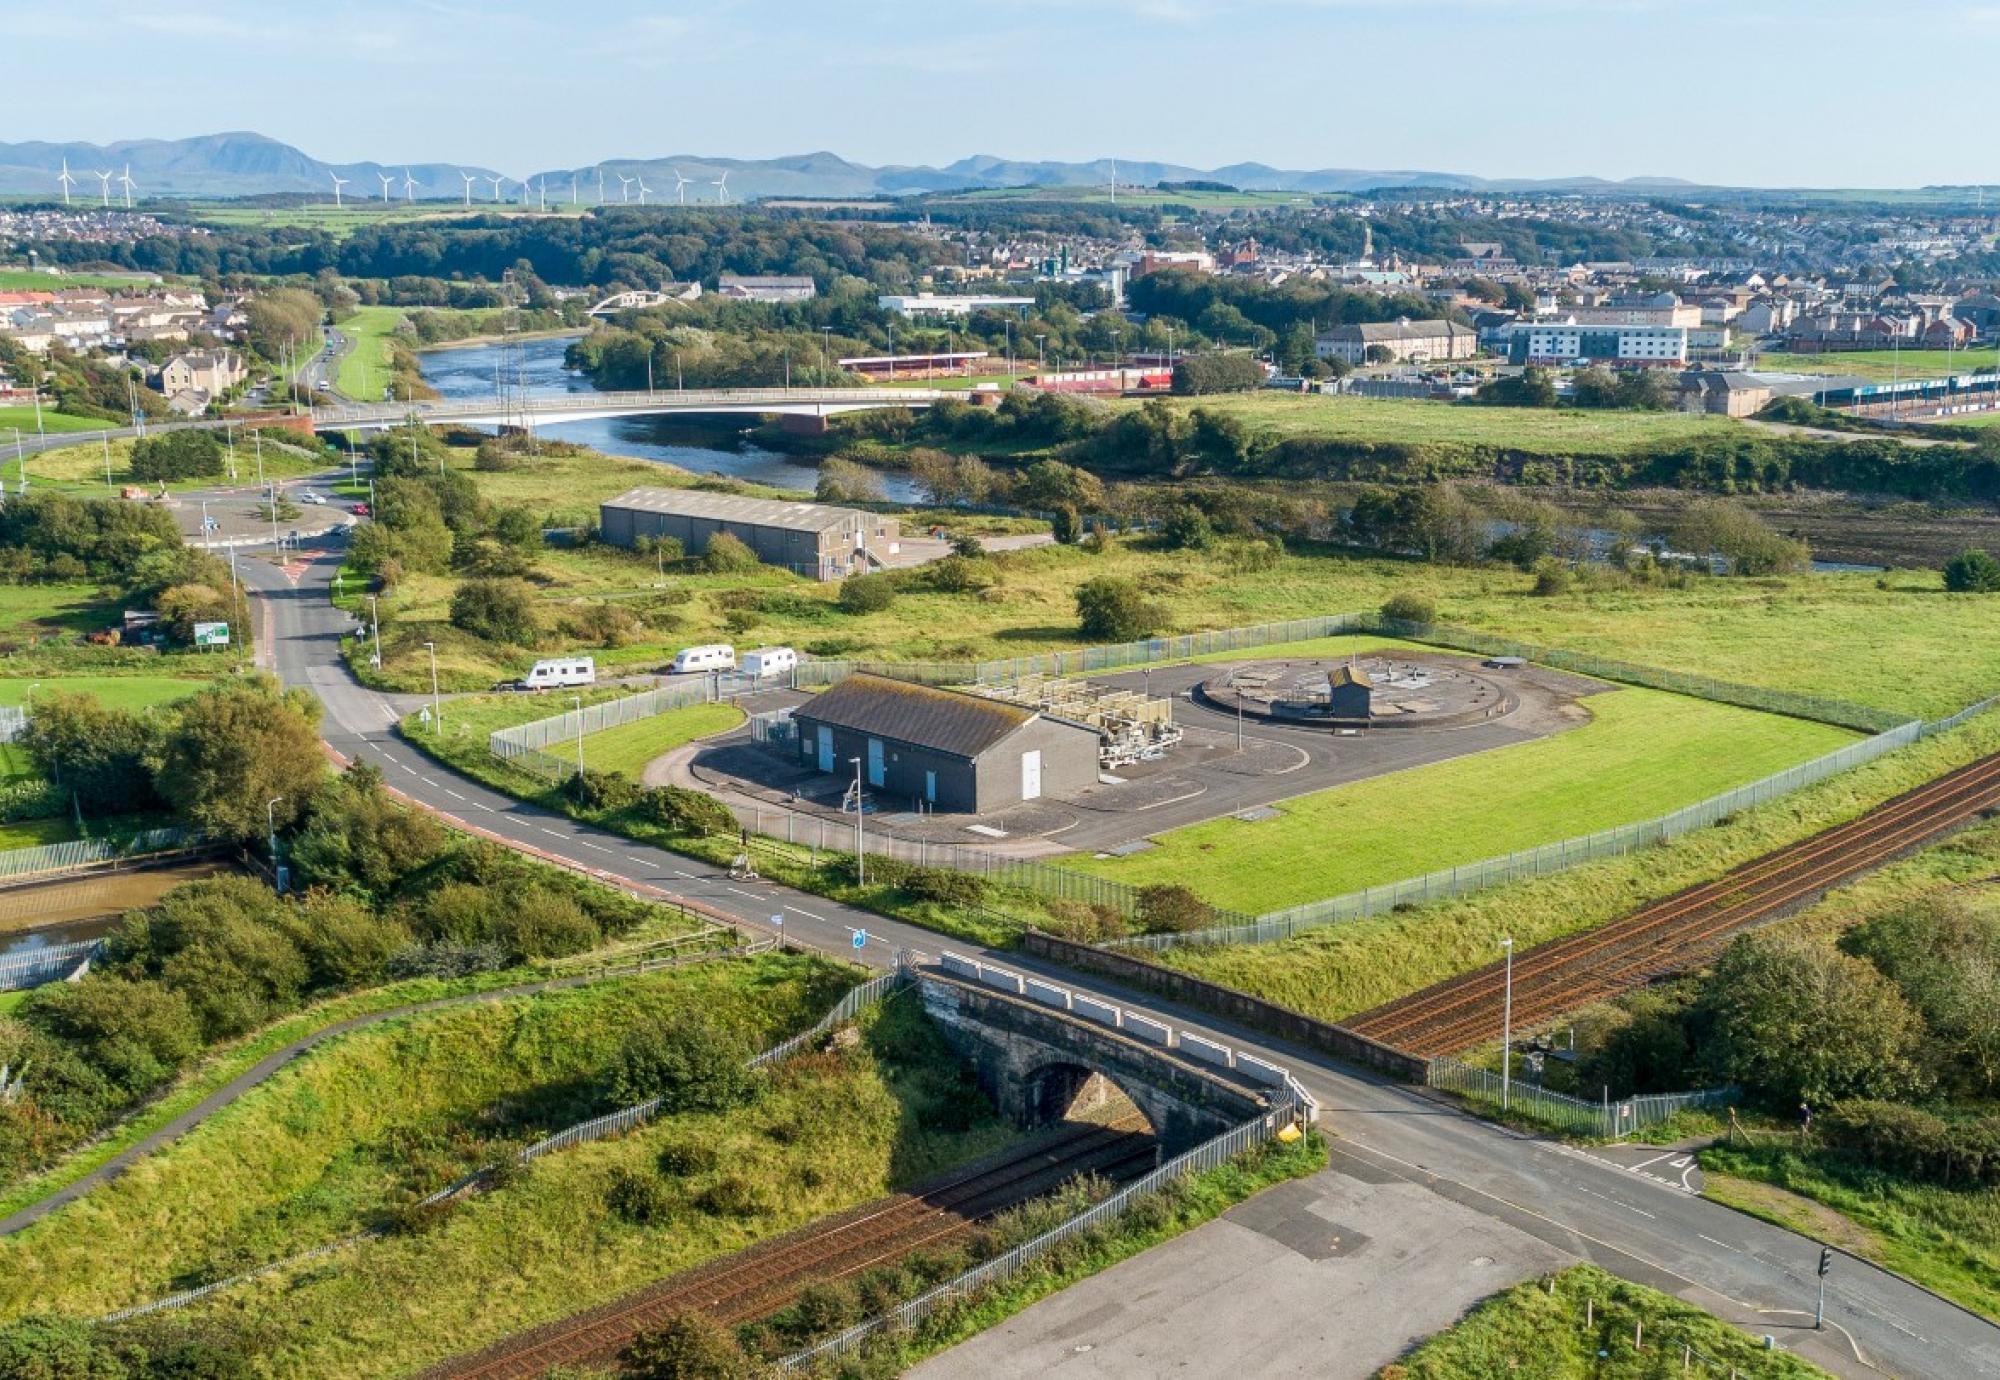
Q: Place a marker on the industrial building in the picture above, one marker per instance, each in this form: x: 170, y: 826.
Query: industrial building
x: 813, y: 539
x: 943, y: 749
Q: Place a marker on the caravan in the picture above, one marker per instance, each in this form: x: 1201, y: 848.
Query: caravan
x: 559, y: 672
x: 765, y: 662
x: 716, y: 656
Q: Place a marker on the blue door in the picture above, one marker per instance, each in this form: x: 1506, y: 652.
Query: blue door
x: 878, y: 770
x: 825, y: 748
x: 930, y: 787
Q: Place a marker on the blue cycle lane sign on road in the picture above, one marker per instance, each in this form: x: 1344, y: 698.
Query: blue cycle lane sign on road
x: 861, y: 939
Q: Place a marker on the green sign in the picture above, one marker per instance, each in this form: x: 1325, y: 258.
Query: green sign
x: 211, y: 634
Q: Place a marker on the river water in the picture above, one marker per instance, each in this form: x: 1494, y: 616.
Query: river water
x: 468, y: 371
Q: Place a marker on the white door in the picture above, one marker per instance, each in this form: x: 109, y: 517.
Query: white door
x: 878, y: 770
x: 1031, y: 775
x: 825, y: 748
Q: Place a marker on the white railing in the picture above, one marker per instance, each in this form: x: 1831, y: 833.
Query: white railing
x: 13, y: 722
x: 17, y: 864
x: 1605, y: 1120
x: 38, y: 966
x: 636, y: 399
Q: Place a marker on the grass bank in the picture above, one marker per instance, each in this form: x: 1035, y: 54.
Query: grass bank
x: 1643, y: 753
x: 625, y: 749
x: 1339, y: 970
x: 1584, y: 1322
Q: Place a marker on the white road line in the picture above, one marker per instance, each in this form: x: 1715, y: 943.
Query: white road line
x: 741, y: 892
x: 453, y: 794
x: 593, y: 847
x: 1635, y: 1168
x: 550, y: 832
x: 484, y: 806
x: 1724, y: 1244
x: 808, y: 914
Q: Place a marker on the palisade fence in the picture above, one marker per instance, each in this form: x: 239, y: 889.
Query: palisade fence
x: 13, y: 722
x: 22, y: 864
x: 1210, y: 1154
x: 1606, y: 1120
x: 850, y: 1006
x: 39, y: 966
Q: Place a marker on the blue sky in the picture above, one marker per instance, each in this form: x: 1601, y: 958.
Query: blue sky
x: 1767, y: 92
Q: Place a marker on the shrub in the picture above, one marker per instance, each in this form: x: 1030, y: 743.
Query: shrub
x: 825, y: 1308
x: 639, y: 1197
x: 863, y: 594
x: 544, y: 924
x: 1187, y: 529
x: 958, y: 574
x: 1066, y: 525
x: 1080, y: 922
x: 499, y: 610
x: 687, y: 1346
x: 495, y: 456
x: 1168, y: 907
x: 1552, y: 578
x: 730, y: 1196
x: 944, y: 886
x: 686, y: 1157
x: 445, y: 958
x: 1111, y: 609
x: 1972, y: 572
x: 728, y: 555
x: 1410, y: 606
x: 685, y: 811
x: 1915, y: 1143
x: 689, y: 1064
x: 591, y: 789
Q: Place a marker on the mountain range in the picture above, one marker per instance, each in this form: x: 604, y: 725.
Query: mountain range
x: 245, y: 164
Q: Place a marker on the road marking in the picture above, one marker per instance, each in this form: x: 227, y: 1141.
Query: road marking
x: 1724, y: 1244
x: 484, y: 806
x: 550, y: 832
x: 797, y: 910
x: 594, y: 847
x: 453, y: 794
x: 741, y: 892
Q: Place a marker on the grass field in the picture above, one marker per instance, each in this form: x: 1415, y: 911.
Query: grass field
x: 316, y: 1149
x: 21, y: 417
x: 30, y: 280
x: 115, y: 692
x: 629, y: 747
x: 80, y: 469
x: 44, y: 610
x: 358, y: 212
x: 1880, y: 366
x: 364, y: 369
x: 626, y: 748
x: 1643, y: 753
x: 1415, y: 421
x: 1336, y: 971
x: 1537, y: 1328
x: 36, y: 833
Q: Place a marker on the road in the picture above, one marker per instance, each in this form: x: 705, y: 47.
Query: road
x: 1530, y: 1192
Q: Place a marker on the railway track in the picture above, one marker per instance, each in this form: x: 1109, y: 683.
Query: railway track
x: 1679, y: 932
x: 761, y: 1280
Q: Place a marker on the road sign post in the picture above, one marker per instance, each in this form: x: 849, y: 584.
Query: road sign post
x: 861, y: 939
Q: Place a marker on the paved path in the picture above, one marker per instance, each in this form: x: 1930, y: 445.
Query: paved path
x: 1529, y: 1189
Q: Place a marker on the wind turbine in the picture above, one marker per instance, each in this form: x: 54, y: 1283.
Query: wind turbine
x: 542, y: 193
x: 600, y: 185
x: 65, y: 179
x: 409, y: 186
x: 722, y: 188
x: 338, y: 183
x: 680, y: 187
x: 644, y: 190
x: 104, y: 190
x: 624, y: 186
x: 496, y: 181
x: 572, y: 192
x: 470, y: 178
x: 385, y: 179
x: 127, y: 180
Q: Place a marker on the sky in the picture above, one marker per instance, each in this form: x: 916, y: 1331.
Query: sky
x: 1742, y: 92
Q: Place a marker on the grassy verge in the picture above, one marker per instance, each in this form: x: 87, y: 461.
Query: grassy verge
x: 1187, y: 1205
x: 822, y: 1133
x: 626, y: 748
x: 114, y: 692
x: 365, y: 368
x: 21, y: 416
x: 1947, y: 1240
x: 80, y: 469
x: 1642, y: 754
x: 1339, y: 970
x: 1631, y: 1333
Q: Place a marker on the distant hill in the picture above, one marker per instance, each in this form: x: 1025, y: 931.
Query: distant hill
x: 245, y: 164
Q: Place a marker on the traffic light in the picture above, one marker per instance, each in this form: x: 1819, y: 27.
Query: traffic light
x: 1825, y: 1260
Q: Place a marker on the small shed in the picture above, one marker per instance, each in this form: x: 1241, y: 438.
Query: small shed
x: 1349, y: 693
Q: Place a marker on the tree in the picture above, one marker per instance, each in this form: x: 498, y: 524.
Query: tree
x: 237, y: 746
x: 684, y: 1060
x: 499, y: 610
x: 1593, y: 387
x: 1972, y: 572
x: 687, y: 1346
x: 843, y: 481
x: 1217, y: 373
x: 1112, y: 609
x: 1377, y: 354
x: 99, y: 757
x: 519, y: 528
x: 182, y: 606
x: 1051, y: 485
x: 136, y: 1032
x: 177, y: 455
x: 1532, y: 387
x: 355, y: 836
x: 1795, y: 1019
x: 1745, y: 542
x: 1187, y: 529
x: 866, y: 593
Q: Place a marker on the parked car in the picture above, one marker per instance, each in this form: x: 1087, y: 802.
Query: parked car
x: 310, y: 497
x: 714, y: 656
x: 361, y: 510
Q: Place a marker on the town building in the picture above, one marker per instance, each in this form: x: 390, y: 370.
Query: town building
x: 766, y: 287
x: 921, y: 745
x: 210, y: 373
x: 1631, y: 347
x: 812, y: 539
x: 1398, y: 342
x: 934, y: 306
x: 1724, y: 393
x: 1657, y: 309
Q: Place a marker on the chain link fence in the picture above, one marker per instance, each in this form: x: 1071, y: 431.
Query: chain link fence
x: 1605, y: 1120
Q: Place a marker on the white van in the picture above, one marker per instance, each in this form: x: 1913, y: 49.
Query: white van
x: 716, y: 656
x: 769, y: 661
x: 561, y: 671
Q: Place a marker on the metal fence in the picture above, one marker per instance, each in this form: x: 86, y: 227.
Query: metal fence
x: 522, y: 745
x: 1532, y: 862
x: 19, y: 863
x: 1606, y: 1120
x: 39, y: 966
x: 13, y: 722
x: 1210, y: 1154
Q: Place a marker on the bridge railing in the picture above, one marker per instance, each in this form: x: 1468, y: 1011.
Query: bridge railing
x: 638, y: 399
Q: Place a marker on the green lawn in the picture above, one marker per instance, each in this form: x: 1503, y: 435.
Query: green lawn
x: 629, y: 747
x: 21, y: 416
x: 30, y: 280
x: 1644, y: 753
x: 1880, y: 366
x: 364, y: 369
x: 115, y: 692
x: 80, y: 469
x: 44, y: 609
x: 35, y: 833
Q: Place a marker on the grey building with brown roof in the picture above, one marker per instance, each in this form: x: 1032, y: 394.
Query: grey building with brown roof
x: 943, y: 749
x: 812, y: 539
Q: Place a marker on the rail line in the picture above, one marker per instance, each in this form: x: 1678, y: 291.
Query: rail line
x: 1679, y: 931
x: 764, y: 1278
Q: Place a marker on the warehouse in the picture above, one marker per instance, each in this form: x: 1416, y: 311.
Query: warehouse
x: 813, y: 539
x: 943, y: 748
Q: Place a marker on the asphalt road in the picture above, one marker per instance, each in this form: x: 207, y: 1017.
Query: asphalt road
x: 1584, y: 1205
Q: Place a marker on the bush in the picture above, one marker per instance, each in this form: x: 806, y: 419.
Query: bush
x: 544, y: 924
x: 944, y: 886
x: 641, y: 1198
x: 728, y: 555
x: 1110, y: 609
x: 591, y: 789
x: 730, y: 1196
x: 685, y: 811
x: 1187, y: 529
x: 1972, y: 572
x: 1962, y: 1152
x: 687, y: 1346
x: 1217, y: 373
x: 863, y: 594
x: 687, y: 1063
x: 445, y: 958
x: 1552, y: 578
x: 1082, y: 923
x: 686, y: 1157
x: 499, y: 610
x: 1410, y: 606
x: 1168, y: 908
x: 958, y: 574
x: 1066, y: 525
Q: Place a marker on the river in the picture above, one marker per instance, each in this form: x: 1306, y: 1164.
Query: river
x: 467, y: 371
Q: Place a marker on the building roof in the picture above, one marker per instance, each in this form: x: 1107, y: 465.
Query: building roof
x: 948, y: 721
x: 1373, y: 331
x: 753, y: 512
x: 1348, y: 675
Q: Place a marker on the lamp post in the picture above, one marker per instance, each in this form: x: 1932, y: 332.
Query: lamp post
x: 1507, y: 1027
x: 437, y: 707
x: 271, y: 828
x: 825, y: 351
x: 860, y: 857
x: 375, y: 617
x: 579, y: 733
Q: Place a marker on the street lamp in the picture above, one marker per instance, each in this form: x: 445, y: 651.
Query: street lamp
x: 579, y: 734
x: 860, y: 857
x: 1507, y: 1027
x: 271, y: 828
x: 375, y: 616
x: 437, y: 708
